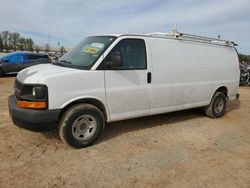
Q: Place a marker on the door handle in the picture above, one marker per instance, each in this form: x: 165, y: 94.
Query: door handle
x: 149, y: 77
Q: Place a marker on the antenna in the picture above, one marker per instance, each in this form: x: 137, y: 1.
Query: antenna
x: 48, y: 39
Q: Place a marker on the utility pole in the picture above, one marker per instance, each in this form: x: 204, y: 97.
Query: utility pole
x: 48, y: 40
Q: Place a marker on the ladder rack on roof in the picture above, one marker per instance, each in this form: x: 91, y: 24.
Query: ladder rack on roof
x: 193, y: 38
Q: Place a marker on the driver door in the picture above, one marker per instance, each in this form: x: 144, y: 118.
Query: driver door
x: 127, y: 88
x: 14, y: 64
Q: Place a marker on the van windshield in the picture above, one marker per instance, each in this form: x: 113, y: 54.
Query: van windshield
x: 86, y: 53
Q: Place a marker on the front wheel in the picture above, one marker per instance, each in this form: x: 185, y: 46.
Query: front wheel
x: 217, y: 106
x: 81, y: 125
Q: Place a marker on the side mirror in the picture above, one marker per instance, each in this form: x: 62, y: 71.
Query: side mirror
x: 116, y: 60
x: 5, y: 60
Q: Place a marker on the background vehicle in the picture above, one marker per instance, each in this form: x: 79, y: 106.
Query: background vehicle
x: 54, y: 56
x: 117, y: 77
x: 16, y: 61
x: 244, y: 75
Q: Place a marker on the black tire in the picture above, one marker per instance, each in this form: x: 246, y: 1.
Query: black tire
x: 217, y: 105
x: 1, y: 73
x: 68, y: 121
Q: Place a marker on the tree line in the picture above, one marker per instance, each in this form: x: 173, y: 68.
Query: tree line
x: 14, y: 41
x: 244, y: 58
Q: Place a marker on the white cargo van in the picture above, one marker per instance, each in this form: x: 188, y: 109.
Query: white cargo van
x: 116, y: 77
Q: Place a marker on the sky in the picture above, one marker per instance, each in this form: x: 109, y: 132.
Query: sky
x: 70, y: 21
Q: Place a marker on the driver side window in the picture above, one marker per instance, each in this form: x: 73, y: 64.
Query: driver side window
x: 17, y: 58
x: 133, y: 55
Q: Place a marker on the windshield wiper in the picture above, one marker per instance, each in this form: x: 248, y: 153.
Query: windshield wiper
x: 64, y: 61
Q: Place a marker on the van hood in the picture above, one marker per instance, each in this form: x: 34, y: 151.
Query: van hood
x: 34, y: 73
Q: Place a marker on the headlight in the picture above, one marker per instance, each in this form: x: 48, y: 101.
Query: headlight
x: 31, y: 96
x: 38, y: 92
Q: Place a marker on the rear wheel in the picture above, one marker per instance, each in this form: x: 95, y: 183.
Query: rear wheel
x: 217, y: 106
x: 1, y: 73
x: 81, y: 125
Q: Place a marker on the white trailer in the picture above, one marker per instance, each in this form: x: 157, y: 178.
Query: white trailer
x: 116, y: 77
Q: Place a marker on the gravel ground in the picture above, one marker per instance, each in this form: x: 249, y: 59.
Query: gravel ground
x: 2, y: 54
x: 181, y: 149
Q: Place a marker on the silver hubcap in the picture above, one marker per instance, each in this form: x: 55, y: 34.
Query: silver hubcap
x: 84, y: 127
x: 219, y: 105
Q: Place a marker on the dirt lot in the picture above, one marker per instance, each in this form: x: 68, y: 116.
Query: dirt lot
x: 183, y: 149
x: 2, y: 54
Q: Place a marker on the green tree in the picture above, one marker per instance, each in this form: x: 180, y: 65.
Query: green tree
x: 14, y: 40
x: 1, y: 42
x: 242, y: 58
x: 22, y: 44
x: 9, y: 41
x: 29, y: 44
x: 5, y: 36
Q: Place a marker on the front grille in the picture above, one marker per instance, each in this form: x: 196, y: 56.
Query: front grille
x: 18, y: 88
x: 18, y: 84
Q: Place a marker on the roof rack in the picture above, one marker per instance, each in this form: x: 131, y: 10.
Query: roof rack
x: 193, y: 38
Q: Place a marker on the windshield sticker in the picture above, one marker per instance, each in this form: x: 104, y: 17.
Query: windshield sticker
x: 91, y: 50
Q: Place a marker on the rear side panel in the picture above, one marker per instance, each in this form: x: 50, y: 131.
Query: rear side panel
x: 186, y: 74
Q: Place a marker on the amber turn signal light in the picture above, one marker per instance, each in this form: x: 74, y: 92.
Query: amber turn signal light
x: 30, y: 104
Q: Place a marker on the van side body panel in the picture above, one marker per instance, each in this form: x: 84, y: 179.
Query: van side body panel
x: 186, y: 74
x: 69, y: 87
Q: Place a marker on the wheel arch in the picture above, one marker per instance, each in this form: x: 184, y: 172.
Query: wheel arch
x: 88, y: 100
x: 222, y: 89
